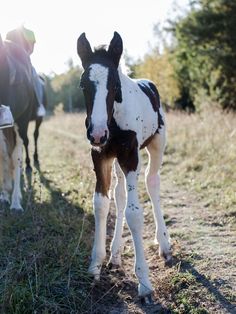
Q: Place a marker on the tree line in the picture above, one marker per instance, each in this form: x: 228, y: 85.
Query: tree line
x: 193, y: 62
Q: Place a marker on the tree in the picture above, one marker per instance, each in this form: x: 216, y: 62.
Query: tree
x: 64, y: 88
x: 158, y: 68
x: 205, y: 52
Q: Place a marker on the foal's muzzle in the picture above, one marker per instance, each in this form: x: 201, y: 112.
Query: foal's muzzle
x: 97, y: 136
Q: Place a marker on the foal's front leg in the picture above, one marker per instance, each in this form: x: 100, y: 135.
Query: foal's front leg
x: 134, y: 217
x: 120, y: 202
x: 103, y: 168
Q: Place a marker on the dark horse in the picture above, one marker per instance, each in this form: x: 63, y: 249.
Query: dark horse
x: 123, y: 116
x: 38, y: 121
x: 16, y: 91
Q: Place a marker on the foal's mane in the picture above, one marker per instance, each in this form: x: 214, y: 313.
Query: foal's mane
x: 100, y: 52
x: 100, y: 48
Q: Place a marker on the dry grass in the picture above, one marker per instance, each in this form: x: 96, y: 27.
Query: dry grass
x: 203, y: 148
x: 44, y: 252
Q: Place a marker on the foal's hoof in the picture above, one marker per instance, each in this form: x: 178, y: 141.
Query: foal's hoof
x: 28, y: 169
x: 147, y: 300
x: 95, y: 271
x: 166, y: 255
x: 167, y: 259
x: 116, y: 269
x: 17, y: 209
x: 168, y: 262
x: 112, y: 266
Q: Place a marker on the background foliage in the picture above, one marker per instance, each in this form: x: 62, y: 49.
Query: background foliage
x: 193, y: 61
x: 205, y: 52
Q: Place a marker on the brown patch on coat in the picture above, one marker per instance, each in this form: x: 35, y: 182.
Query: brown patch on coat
x: 123, y: 145
x: 103, y: 168
x: 152, y: 93
x: 146, y: 142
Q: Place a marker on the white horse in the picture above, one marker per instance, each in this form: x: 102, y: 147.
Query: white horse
x: 123, y: 116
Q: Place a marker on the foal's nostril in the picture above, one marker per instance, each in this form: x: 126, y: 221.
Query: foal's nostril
x: 103, y: 138
x: 95, y: 137
x: 92, y: 140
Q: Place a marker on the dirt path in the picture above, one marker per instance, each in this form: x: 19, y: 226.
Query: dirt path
x: 203, y: 276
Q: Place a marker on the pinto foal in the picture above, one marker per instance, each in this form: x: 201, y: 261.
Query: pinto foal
x: 123, y: 116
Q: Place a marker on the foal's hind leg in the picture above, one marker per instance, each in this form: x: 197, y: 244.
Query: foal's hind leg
x: 38, y: 122
x: 103, y: 168
x: 120, y: 202
x: 155, y: 151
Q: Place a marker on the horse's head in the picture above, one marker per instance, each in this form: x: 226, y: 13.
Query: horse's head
x: 101, y: 86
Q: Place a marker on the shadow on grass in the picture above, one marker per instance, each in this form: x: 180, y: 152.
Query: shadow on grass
x: 44, y: 252
x: 113, y: 291
x: 116, y: 294
x: 44, y: 259
x: 201, y: 279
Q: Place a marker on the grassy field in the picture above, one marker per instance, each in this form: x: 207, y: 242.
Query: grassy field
x: 45, y: 251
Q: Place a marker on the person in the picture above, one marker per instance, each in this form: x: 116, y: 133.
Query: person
x: 6, y: 118
x: 25, y: 38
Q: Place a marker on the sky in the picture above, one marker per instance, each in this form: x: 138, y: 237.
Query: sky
x: 57, y: 25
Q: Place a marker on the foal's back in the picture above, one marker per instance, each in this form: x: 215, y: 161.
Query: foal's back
x: 140, y: 109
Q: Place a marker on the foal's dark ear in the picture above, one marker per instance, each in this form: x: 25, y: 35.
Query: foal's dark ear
x: 116, y: 48
x: 84, y: 49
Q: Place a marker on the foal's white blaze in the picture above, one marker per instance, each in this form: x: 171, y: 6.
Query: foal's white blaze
x: 99, y: 75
